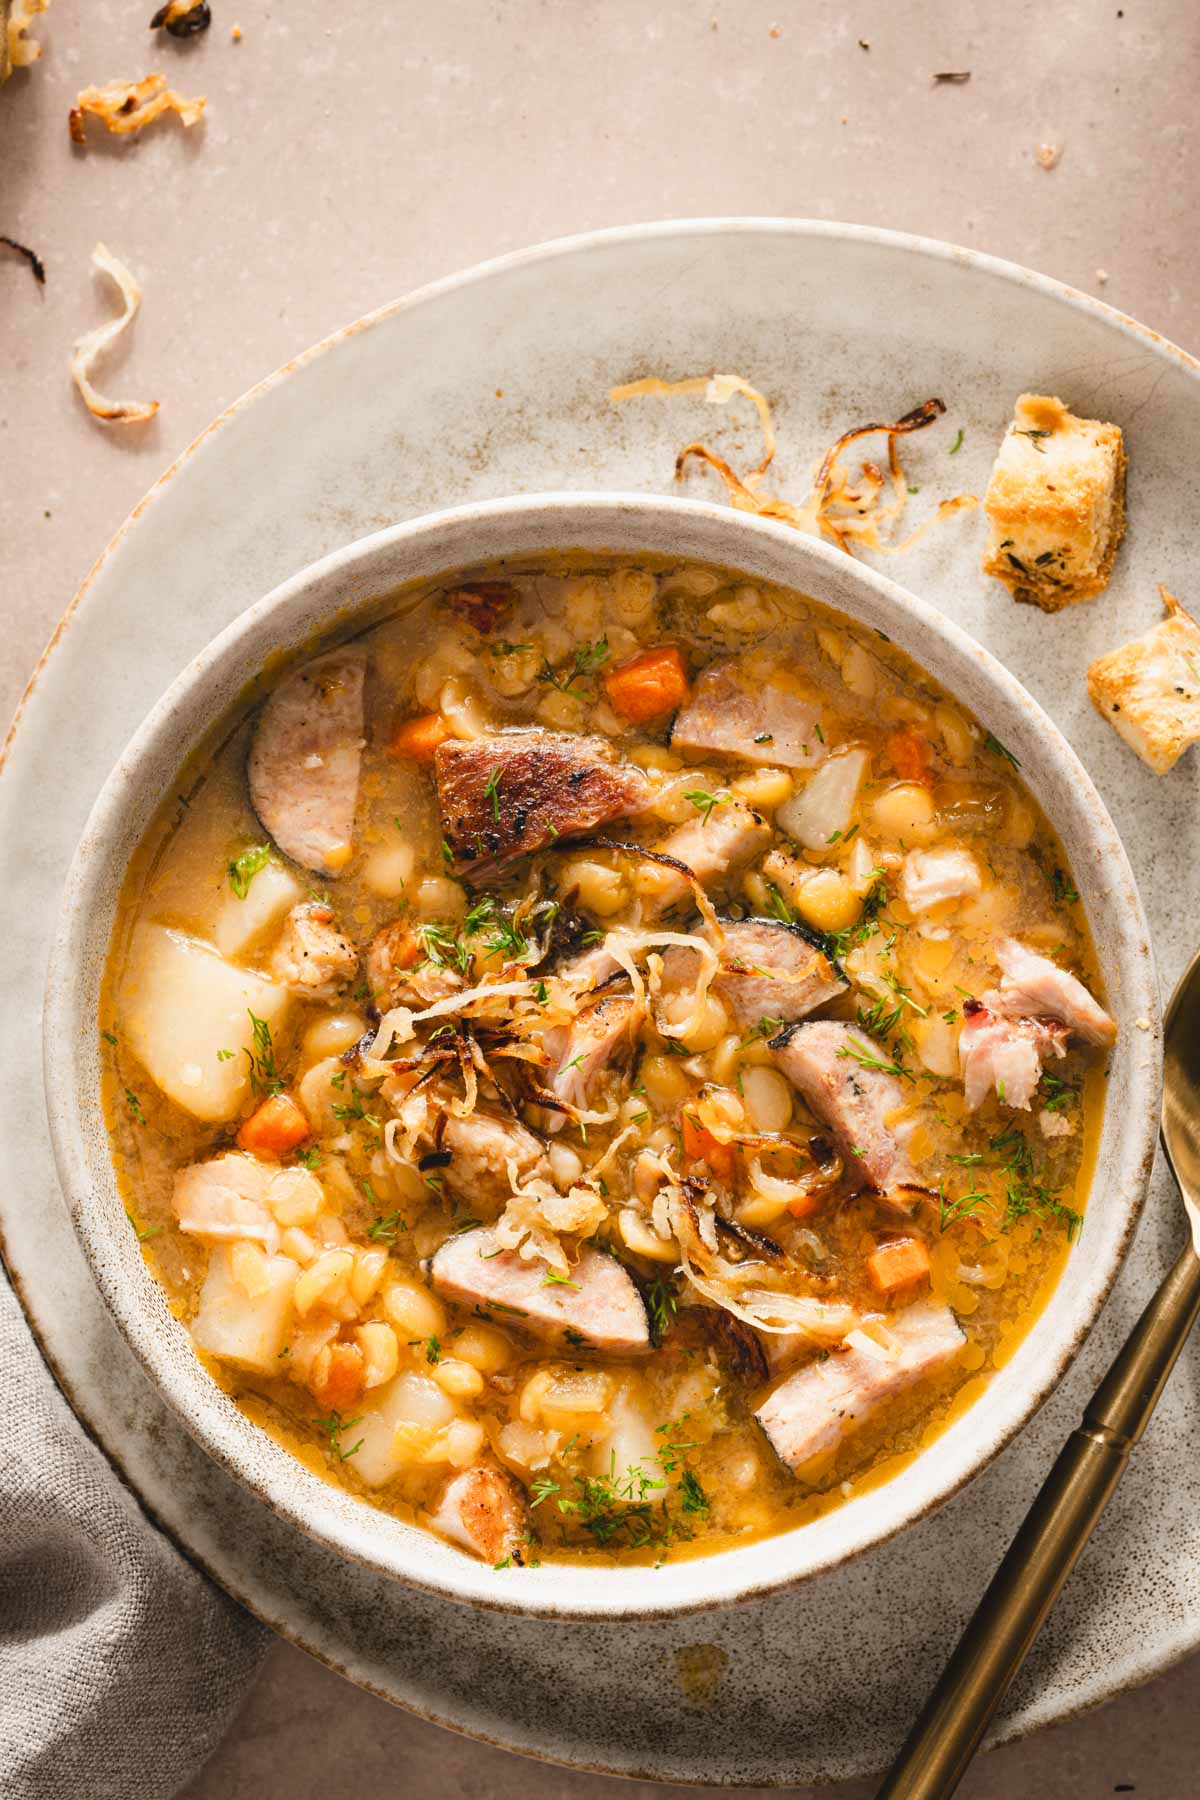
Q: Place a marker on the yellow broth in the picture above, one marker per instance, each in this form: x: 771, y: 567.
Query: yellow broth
x: 632, y: 1458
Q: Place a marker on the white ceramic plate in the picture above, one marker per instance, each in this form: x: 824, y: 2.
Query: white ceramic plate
x: 839, y: 325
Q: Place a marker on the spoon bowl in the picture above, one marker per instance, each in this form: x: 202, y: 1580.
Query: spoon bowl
x: 1181, y: 1091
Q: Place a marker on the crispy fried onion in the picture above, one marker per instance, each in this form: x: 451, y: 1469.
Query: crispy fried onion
x: 398, y: 1025
x: 733, y: 1285
x: 779, y: 1189
x: 704, y: 905
x: 125, y: 106
x: 623, y: 943
x: 16, y: 50
x: 538, y: 1213
x: 95, y: 343
x: 849, y: 509
x: 182, y: 18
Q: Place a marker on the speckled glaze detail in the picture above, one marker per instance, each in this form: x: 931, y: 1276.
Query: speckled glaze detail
x: 398, y: 414
x: 330, y: 592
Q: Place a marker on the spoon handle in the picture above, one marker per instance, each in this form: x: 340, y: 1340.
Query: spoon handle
x: 1046, y: 1548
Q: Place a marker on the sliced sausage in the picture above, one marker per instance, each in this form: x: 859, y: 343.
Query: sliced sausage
x: 769, y: 970
x: 814, y: 1409
x: 830, y: 1065
x: 514, y: 793
x: 599, y: 1307
x: 761, y: 722
x: 304, y: 761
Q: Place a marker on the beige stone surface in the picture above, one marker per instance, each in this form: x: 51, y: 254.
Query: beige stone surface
x: 350, y: 153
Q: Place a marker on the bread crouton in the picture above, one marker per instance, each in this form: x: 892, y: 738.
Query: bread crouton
x: 1056, y: 502
x: 1149, y: 690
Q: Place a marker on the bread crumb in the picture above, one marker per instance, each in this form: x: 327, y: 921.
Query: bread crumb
x: 1149, y: 690
x: 1142, y: 1024
x: 1102, y: 276
x: 1056, y: 502
x: 235, y: 32
x: 1048, y: 156
x: 776, y: 31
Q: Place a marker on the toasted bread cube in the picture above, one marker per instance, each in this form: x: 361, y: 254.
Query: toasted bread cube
x: 1149, y: 690
x: 1056, y: 502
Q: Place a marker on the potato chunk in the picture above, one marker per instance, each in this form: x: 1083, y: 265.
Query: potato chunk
x: 407, y: 1415
x: 1149, y: 690
x: 272, y: 892
x: 183, y: 1008
x: 1056, y: 502
x: 240, y: 1328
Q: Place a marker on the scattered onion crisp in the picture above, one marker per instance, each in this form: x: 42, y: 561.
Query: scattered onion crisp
x: 182, y: 18
x: 125, y: 106
x: 95, y: 343
x: 16, y: 50
x: 862, y: 508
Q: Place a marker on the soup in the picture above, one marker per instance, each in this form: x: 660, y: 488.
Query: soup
x: 604, y: 1064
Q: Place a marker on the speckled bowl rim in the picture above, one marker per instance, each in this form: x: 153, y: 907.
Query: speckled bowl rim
x: 532, y: 524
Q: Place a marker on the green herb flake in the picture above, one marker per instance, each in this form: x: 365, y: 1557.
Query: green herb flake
x: 245, y: 867
x: 993, y: 744
x: 333, y: 1428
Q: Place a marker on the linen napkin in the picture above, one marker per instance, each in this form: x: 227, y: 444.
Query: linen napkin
x: 121, y: 1666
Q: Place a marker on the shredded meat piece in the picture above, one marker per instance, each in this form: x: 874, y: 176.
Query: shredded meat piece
x: 312, y: 956
x: 485, y: 1511
x: 125, y: 106
x: 400, y: 974
x: 481, y: 603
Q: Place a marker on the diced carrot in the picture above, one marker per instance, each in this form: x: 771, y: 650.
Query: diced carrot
x: 896, y: 1264
x: 648, y: 685
x: 404, y: 949
x: 699, y: 1145
x: 416, y: 739
x: 337, y: 1375
x: 279, y: 1125
x: 910, y: 754
x: 804, y: 1204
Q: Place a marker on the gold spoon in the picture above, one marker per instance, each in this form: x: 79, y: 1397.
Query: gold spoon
x: 1084, y: 1479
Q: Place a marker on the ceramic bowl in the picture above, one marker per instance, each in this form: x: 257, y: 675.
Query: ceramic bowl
x: 323, y: 597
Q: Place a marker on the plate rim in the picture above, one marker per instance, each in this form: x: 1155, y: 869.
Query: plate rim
x: 1177, y: 1641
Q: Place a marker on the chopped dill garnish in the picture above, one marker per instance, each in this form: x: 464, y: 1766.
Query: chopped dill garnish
x: 245, y: 867
x: 334, y: 1427
x: 588, y: 658
x: 992, y: 743
x: 706, y: 803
